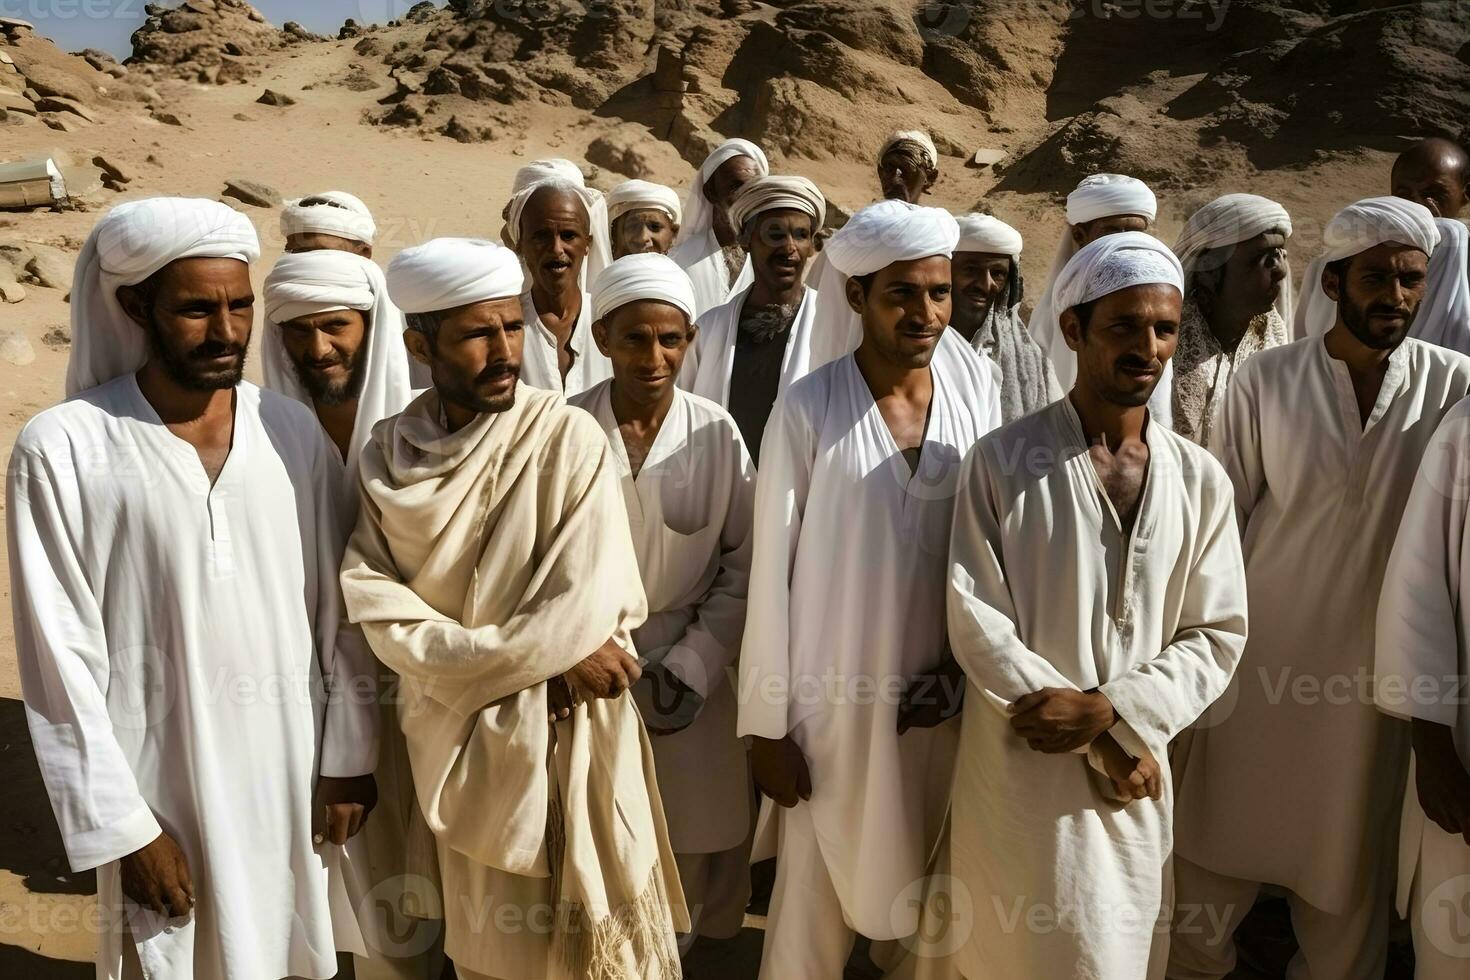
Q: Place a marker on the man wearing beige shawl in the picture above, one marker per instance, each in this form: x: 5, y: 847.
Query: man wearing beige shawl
x: 493, y: 570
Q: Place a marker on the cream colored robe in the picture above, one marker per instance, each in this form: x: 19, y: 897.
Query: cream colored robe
x: 1422, y: 670
x: 485, y: 562
x: 1294, y: 778
x: 1047, y: 590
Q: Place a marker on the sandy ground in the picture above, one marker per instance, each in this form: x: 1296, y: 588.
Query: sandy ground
x: 417, y: 189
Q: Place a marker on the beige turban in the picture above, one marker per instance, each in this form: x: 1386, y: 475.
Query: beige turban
x: 640, y: 195
x: 775, y: 193
x: 918, y: 137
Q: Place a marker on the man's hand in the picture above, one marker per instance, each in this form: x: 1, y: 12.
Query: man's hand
x: 932, y: 698
x: 156, y: 876
x: 1132, y: 779
x: 607, y: 673
x: 1442, y: 782
x: 780, y: 770
x: 560, y: 700
x: 342, y: 807
x: 1059, y: 719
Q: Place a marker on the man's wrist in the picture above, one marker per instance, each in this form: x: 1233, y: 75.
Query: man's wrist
x: 1107, y: 715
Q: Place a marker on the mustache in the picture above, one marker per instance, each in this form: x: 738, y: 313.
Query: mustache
x: 499, y: 370
x: 211, y: 349
x: 1131, y: 362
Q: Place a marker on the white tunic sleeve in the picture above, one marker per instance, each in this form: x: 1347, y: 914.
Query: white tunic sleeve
x: 981, y: 613
x: 712, y: 642
x: 788, y: 451
x: 65, y: 672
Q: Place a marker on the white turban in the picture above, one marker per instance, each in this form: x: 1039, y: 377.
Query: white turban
x: 773, y: 193
x: 1230, y: 220
x: 918, y: 137
x: 1097, y: 196
x: 329, y: 213
x: 873, y: 239
x: 640, y: 195
x: 1357, y: 228
x: 984, y: 233
x: 549, y: 169
x: 560, y: 172
x: 446, y: 273
x: 131, y: 243
x: 304, y: 283
x: 697, y: 250
x: 646, y: 275
x: 1112, y: 263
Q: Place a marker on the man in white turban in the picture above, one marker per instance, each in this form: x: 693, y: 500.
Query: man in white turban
x: 1293, y: 779
x: 689, y: 487
x: 1087, y: 644
x: 334, y: 342
x: 752, y: 347
x: 843, y: 682
x: 492, y: 568
x: 1237, y: 303
x: 550, y: 225
x: 173, y: 533
x: 642, y: 217
x: 986, y: 274
x: 708, y: 246
x: 559, y: 169
x: 1422, y: 669
x: 329, y: 220
x: 908, y: 165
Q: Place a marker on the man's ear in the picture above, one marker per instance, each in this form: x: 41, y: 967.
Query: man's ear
x: 693, y: 332
x: 675, y: 225
x: 1072, y: 328
x: 1331, y: 284
x: 599, y: 334
x: 1079, y: 235
x: 855, y: 297
x: 418, y: 346
x: 134, y: 304
x: 365, y: 250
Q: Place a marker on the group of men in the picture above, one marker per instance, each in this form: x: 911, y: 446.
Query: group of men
x: 549, y: 582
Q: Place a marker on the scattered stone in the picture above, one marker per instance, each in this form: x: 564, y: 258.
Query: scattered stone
x: 242, y: 117
x: 64, y: 123
x: 233, y: 70
x: 402, y: 114
x: 57, y: 338
x: 987, y: 157
x: 462, y: 133
x: 272, y: 97
x: 56, y: 103
x: 167, y: 118
x: 252, y: 192
x: 49, y: 267
x: 111, y: 168
x: 11, y: 291
x: 15, y: 102
x: 14, y: 347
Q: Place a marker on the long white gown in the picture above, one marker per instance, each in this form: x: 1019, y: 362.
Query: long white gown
x: 539, y: 367
x: 846, y: 606
x: 1422, y: 671
x: 175, y: 640
x: 1294, y: 778
x: 1047, y: 589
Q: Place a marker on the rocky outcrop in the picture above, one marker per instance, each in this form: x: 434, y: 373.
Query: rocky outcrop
x: 210, y: 40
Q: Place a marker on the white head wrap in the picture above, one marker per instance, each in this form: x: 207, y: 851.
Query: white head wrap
x: 1097, y: 196
x: 131, y: 243
x: 1230, y: 220
x: 329, y: 213
x: 647, y: 275
x: 697, y: 250
x: 562, y: 172
x: 918, y: 137
x: 984, y: 233
x: 1369, y: 223
x: 639, y: 195
x: 771, y: 193
x: 1114, y: 262
x: 304, y: 283
x: 873, y: 239
x: 446, y: 273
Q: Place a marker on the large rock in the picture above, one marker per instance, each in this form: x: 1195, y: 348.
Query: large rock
x: 196, y: 36
x: 57, y: 103
x: 272, y: 97
x: 252, y: 192
x: 49, y: 266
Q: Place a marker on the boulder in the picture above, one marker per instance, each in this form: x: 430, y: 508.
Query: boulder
x: 272, y: 97
x: 252, y: 192
x: 15, y: 348
x: 57, y: 103
x: 49, y: 267
x: 167, y: 118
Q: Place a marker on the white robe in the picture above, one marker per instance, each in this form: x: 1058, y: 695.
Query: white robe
x: 689, y: 509
x: 1422, y: 669
x: 846, y: 605
x: 1294, y: 779
x: 173, y: 642
x: 1046, y: 589
x: 709, y: 363
x: 539, y: 367
x: 704, y: 261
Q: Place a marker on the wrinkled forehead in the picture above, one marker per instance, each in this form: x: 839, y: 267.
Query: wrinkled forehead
x: 554, y: 206
x: 202, y: 276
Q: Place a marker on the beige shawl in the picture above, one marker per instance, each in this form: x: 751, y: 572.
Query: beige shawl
x: 486, y: 562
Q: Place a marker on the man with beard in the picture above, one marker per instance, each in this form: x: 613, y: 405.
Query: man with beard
x: 642, y: 217
x: 753, y: 347
x: 986, y: 275
x: 708, y: 245
x: 173, y: 534
x: 853, y: 510
x: 329, y: 220
x: 689, y: 487
x: 493, y: 570
x: 908, y: 166
x: 1294, y: 779
x: 334, y: 342
x: 1097, y: 606
x: 550, y: 226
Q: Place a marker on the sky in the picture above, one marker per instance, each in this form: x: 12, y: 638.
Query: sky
x: 108, y: 24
